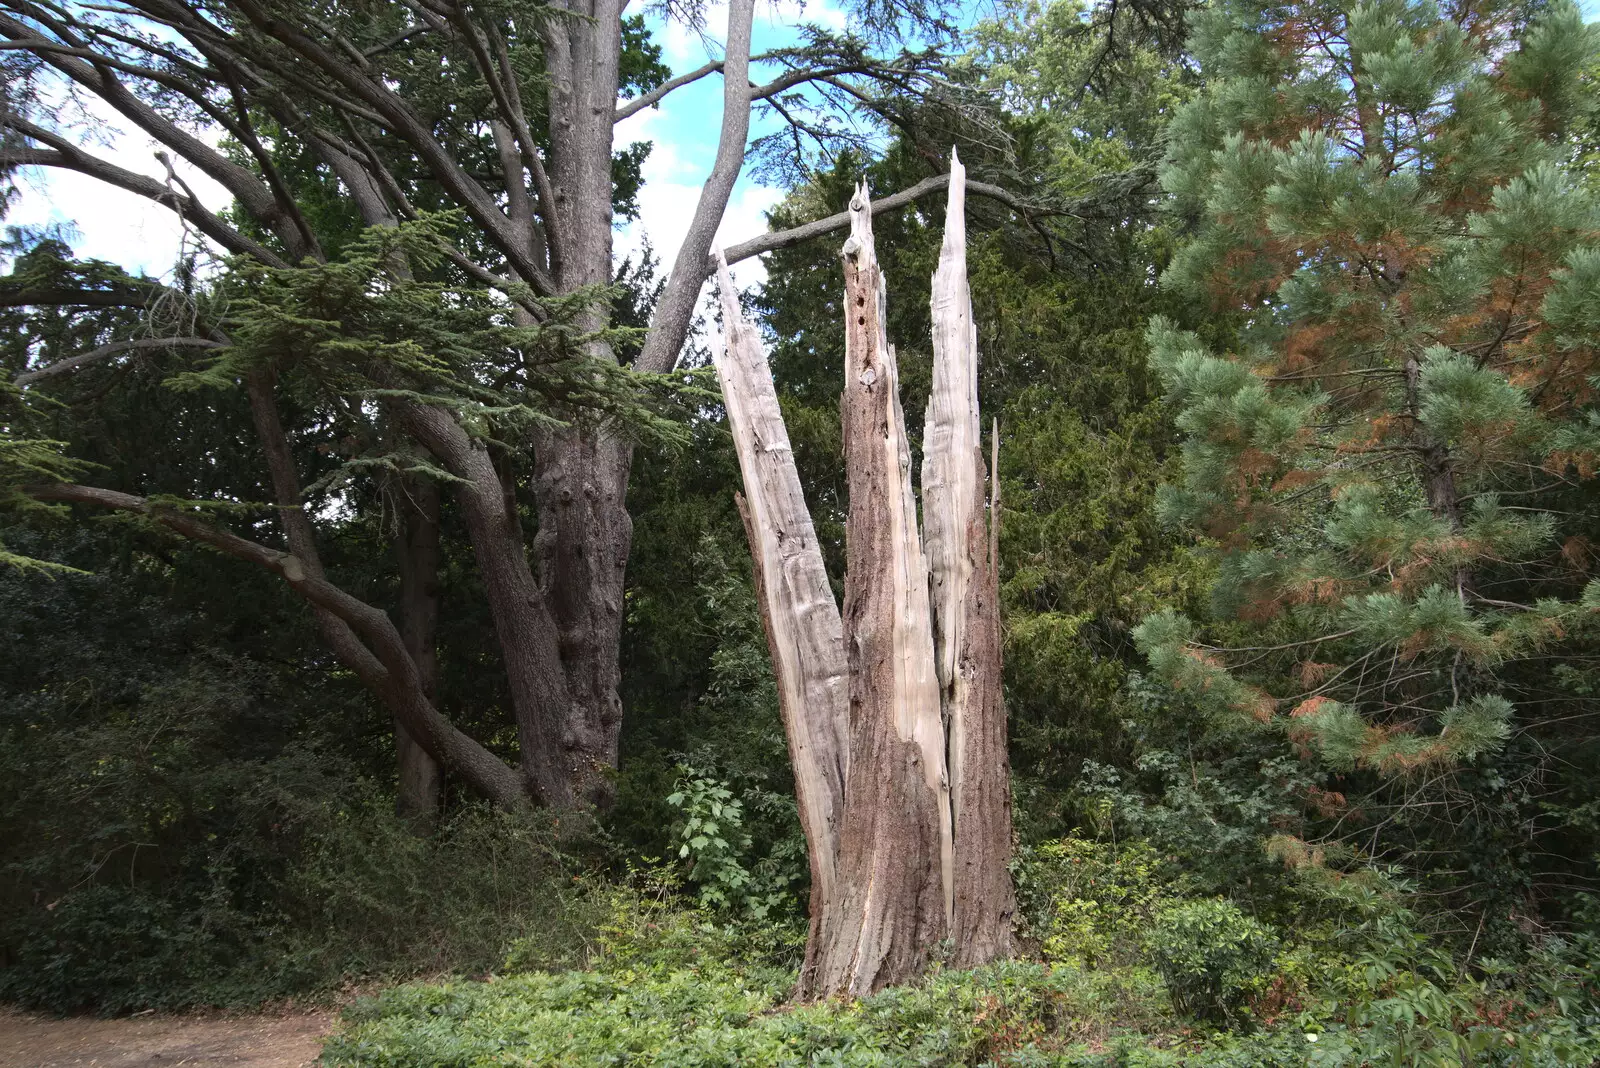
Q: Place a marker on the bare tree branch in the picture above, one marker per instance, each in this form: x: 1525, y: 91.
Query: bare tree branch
x: 655, y: 96
x: 669, y: 325
x: 99, y: 78
x: 760, y: 246
x: 65, y: 154
x: 113, y: 349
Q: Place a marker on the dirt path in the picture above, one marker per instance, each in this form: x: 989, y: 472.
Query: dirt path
x: 277, y: 1041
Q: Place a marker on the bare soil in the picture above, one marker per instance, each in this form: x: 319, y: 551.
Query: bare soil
x: 285, y: 1040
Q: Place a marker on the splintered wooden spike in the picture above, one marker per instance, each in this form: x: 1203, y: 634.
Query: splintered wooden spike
x: 799, y: 614
x: 952, y: 468
x: 964, y: 578
x: 894, y: 847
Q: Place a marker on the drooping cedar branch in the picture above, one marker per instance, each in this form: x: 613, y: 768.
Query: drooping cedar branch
x: 122, y: 295
x: 384, y: 663
x: 114, y: 348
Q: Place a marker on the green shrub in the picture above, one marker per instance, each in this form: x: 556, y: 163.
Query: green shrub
x: 718, y: 1013
x: 1089, y: 902
x: 1211, y: 956
x: 369, y: 897
x: 672, y: 987
x: 356, y: 895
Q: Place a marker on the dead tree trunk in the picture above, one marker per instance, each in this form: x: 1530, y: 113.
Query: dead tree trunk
x: 894, y: 845
x: 804, y: 633
x: 916, y: 851
x: 964, y: 565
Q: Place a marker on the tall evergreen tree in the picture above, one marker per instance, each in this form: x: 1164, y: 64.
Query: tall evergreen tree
x: 1392, y: 463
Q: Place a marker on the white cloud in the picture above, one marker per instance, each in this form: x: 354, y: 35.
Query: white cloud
x: 111, y: 223
x: 674, y: 173
x: 685, y: 49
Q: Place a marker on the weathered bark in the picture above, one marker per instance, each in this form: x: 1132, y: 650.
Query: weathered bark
x: 524, y: 627
x: 416, y: 500
x: 581, y: 473
x: 895, y: 840
x: 923, y: 835
x: 801, y: 618
x: 581, y: 549
x: 964, y: 571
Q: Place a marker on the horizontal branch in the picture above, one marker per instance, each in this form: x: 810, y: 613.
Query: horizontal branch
x: 760, y: 246
x: 118, y: 296
x: 757, y: 92
x: 67, y: 156
x: 655, y: 96
x: 115, y: 347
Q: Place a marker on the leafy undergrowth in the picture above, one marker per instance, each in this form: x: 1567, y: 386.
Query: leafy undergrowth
x: 1130, y: 971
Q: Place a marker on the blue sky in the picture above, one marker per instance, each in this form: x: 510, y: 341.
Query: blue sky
x: 125, y: 229
x: 684, y: 131
x: 128, y: 230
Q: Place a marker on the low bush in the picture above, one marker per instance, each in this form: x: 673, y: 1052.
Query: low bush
x: 1211, y: 956
x: 1091, y: 902
x: 642, y: 1008
x: 670, y: 988
x: 359, y: 897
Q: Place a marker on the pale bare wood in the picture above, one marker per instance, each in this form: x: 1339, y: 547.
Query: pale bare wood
x: 800, y: 615
x: 923, y: 833
x: 952, y: 473
x: 964, y: 577
x: 895, y: 841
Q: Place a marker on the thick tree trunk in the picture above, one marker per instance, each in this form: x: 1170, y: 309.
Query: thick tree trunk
x: 582, y: 553
x: 581, y: 474
x: 524, y: 626
x: 416, y: 500
x: 895, y: 858
x: 804, y: 631
x: 964, y: 568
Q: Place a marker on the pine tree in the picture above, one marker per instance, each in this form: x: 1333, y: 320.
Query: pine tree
x: 1386, y: 461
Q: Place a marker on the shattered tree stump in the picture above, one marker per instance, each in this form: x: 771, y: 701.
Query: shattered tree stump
x: 893, y: 708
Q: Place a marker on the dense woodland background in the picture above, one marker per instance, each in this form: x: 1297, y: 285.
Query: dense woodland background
x: 1289, y: 326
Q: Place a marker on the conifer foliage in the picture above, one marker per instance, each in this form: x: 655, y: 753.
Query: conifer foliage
x: 1389, y: 459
